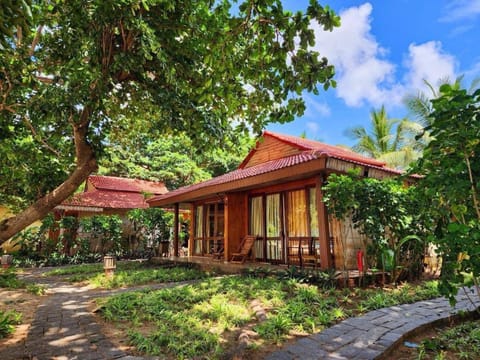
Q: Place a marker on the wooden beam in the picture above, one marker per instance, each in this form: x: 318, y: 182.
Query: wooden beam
x: 191, y: 230
x: 226, y: 235
x: 175, y: 230
x: 324, y: 233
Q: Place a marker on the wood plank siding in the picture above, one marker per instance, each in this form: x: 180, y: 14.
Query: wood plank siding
x: 270, y: 149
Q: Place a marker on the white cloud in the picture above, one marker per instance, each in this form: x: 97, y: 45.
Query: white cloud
x: 358, y: 58
x: 315, y: 107
x: 461, y: 10
x: 364, y: 74
x: 427, y: 62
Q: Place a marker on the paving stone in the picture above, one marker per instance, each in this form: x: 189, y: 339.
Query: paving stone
x: 348, y: 352
x: 307, y: 348
x: 367, y: 354
x: 394, y: 324
x: 277, y: 355
x: 373, y: 315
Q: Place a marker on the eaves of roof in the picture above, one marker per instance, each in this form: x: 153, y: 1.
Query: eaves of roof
x: 295, y: 166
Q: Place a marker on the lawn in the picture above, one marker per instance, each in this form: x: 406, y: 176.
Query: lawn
x: 127, y: 274
x: 205, y: 320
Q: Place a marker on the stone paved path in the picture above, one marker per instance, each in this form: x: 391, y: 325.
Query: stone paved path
x: 375, y: 334
x: 65, y: 329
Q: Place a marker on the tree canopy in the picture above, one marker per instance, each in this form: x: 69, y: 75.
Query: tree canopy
x: 170, y: 158
x: 205, y: 68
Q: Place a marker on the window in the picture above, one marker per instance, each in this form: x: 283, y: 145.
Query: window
x: 198, y: 239
x: 312, y: 205
x: 297, y: 213
x: 256, y: 225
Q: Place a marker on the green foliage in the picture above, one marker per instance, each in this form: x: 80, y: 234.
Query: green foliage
x: 128, y: 274
x: 152, y: 224
x: 106, y: 229
x: 146, y: 153
x: 390, y: 140
x: 87, y: 70
x: 461, y: 341
x: 387, y: 213
x: 198, y: 320
x: 450, y: 185
x: 9, y: 280
x: 16, y: 15
x: 404, y: 294
x: 322, y: 278
x: 8, y: 320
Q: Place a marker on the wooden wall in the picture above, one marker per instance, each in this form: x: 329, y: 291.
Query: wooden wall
x: 271, y: 149
x: 346, y: 242
x: 236, y: 221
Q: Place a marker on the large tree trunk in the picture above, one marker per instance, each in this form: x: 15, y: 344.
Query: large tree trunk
x: 86, y: 164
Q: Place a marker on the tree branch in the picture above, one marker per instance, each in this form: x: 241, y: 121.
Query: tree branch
x: 36, y: 39
x: 36, y: 136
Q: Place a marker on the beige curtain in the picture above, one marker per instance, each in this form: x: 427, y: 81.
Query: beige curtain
x: 314, y: 229
x: 256, y: 211
x: 273, y: 215
x: 297, y: 213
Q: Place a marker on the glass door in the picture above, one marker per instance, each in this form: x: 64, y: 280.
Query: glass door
x: 198, y: 234
x: 274, y: 240
x: 256, y: 226
x: 215, y: 223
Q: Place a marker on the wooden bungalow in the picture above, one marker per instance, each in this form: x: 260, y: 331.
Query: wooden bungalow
x: 275, y: 196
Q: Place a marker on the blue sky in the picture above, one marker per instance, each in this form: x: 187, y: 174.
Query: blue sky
x: 382, y: 52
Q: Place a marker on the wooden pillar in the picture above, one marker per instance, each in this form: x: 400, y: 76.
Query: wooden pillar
x: 324, y: 233
x: 191, y: 230
x: 175, y: 230
x: 226, y: 236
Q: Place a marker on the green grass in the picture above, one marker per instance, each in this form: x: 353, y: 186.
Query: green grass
x: 197, y: 320
x: 458, y: 342
x: 127, y: 274
x: 9, y: 280
x: 8, y: 320
x: 85, y: 271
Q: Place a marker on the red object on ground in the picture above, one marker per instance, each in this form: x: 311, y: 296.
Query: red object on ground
x: 360, y: 260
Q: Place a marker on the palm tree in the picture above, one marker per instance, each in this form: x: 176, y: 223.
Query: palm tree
x: 420, y: 105
x: 390, y: 140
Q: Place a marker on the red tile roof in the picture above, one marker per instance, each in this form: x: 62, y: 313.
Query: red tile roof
x: 321, y: 149
x: 110, y: 193
x: 128, y: 185
x: 310, y: 150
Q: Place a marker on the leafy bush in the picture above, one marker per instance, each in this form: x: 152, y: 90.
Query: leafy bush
x: 8, y: 320
x: 8, y: 279
x: 322, y: 278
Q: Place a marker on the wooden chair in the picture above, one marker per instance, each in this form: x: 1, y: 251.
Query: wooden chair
x: 293, y: 253
x: 311, y: 259
x: 217, y: 254
x: 244, y: 249
x: 310, y: 255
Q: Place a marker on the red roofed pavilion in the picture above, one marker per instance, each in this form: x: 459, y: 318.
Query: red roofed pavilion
x: 112, y: 195
x: 275, y: 195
